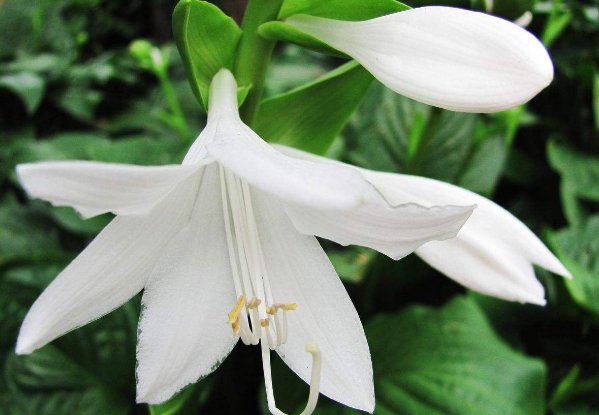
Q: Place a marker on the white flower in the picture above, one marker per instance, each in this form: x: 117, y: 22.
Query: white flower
x: 215, y: 240
x: 447, y: 57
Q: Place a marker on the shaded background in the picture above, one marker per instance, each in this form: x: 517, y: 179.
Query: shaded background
x: 70, y: 88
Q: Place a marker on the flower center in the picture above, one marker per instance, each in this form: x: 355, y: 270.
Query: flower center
x: 259, y: 319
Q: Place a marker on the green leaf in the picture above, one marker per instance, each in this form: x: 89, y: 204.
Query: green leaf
x: 484, y: 168
x: 50, y: 382
x: 26, y: 236
x: 387, y: 124
x: 310, y: 117
x: 578, y: 248
x: 28, y: 86
x: 207, y: 40
x: 558, y: 21
x: 352, y: 10
x: 580, y: 175
x: 596, y: 97
x: 352, y: 262
x: 450, y: 361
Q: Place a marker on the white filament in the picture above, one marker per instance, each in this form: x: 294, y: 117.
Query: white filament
x: 255, y: 320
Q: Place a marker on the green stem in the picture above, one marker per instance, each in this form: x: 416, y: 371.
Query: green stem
x: 178, y: 119
x: 254, y: 53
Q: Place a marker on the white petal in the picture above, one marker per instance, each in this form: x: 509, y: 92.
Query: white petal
x: 112, y: 269
x: 395, y: 231
x: 235, y: 146
x: 447, y: 57
x: 94, y: 188
x: 300, y: 272
x: 494, y: 251
x: 183, y: 331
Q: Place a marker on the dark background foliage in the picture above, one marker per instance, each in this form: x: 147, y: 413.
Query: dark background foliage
x: 71, y: 87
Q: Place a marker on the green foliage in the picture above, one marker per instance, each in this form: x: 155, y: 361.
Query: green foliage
x: 450, y: 361
x: 352, y: 10
x: 310, y: 117
x: 79, y: 79
x: 578, y: 249
x: 194, y: 25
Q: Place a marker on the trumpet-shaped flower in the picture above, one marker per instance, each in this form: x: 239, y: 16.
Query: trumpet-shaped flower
x: 223, y: 248
x: 447, y: 57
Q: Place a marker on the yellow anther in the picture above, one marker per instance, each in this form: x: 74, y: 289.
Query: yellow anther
x: 264, y: 322
x: 255, y: 302
x: 234, y: 314
x: 236, y: 326
x: 271, y: 309
x: 288, y: 307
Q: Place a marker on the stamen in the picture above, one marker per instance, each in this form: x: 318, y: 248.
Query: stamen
x: 254, y: 303
x: 234, y: 314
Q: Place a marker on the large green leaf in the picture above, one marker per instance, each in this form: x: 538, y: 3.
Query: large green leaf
x: 310, y: 117
x: 207, y: 40
x: 450, y: 361
x: 578, y: 248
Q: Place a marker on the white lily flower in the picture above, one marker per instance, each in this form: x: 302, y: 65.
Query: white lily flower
x: 447, y: 57
x: 213, y: 241
x: 493, y: 253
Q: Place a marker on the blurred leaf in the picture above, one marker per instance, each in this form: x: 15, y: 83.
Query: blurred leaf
x: 387, y: 124
x: 450, y: 361
x: 25, y: 235
x: 352, y: 263
x: 559, y: 18
x: 310, y: 117
x: 173, y: 405
x: 195, y: 25
x: 578, y: 248
x: 50, y: 382
x: 580, y: 175
x: 341, y: 9
x: 483, y: 170
x: 79, y: 100
x: 28, y: 86
x: 596, y: 97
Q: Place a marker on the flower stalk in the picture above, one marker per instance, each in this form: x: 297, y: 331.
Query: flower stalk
x: 254, y: 53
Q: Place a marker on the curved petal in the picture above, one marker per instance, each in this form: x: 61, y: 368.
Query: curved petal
x: 300, y: 272
x: 111, y: 270
x: 235, y: 146
x: 447, y: 57
x: 494, y: 251
x: 183, y: 332
x: 396, y: 231
x: 93, y: 188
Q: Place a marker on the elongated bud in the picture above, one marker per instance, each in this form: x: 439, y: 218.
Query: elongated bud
x: 447, y: 57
